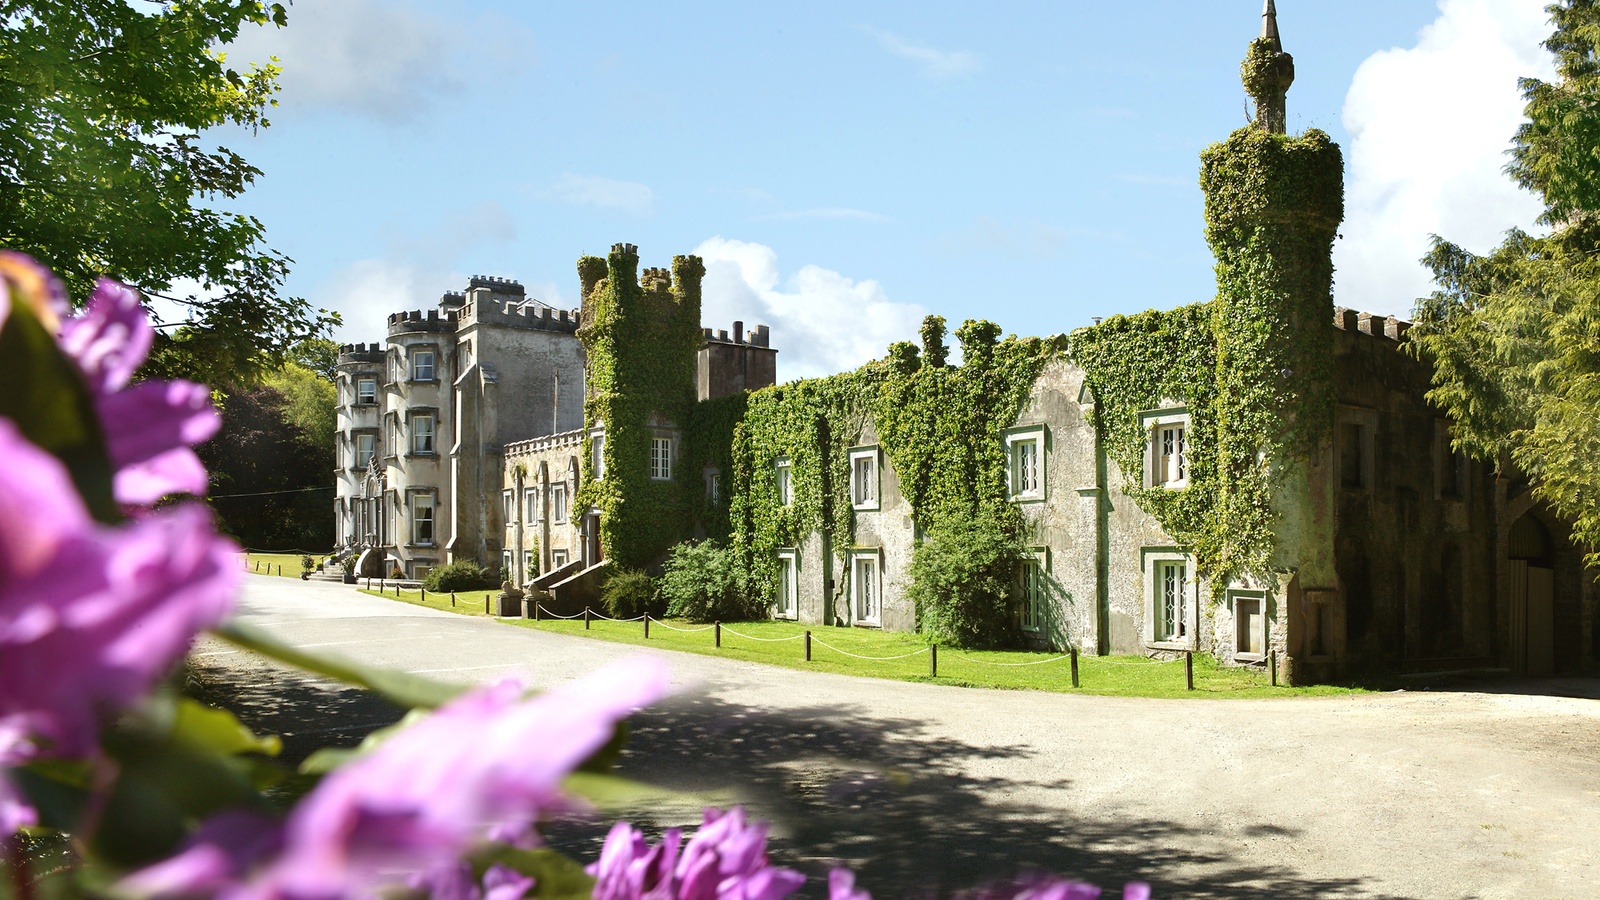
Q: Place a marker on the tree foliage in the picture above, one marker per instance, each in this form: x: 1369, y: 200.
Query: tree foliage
x: 1514, y: 335
x: 268, y: 480
x: 308, y: 405
x: 701, y: 583
x: 104, y: 169
x: 964, y: 582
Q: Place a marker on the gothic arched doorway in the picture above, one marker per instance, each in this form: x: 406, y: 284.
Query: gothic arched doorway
x: 1532, y: 581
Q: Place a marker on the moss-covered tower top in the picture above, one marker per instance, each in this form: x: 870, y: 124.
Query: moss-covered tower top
x: 1267, y: 72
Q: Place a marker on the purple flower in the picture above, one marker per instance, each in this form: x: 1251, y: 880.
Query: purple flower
x: 726, y: 859
x: 150, y: 426
x: 842, y: 886
x: 1050, y: 887
x: 485, y: 765
x: 455, y: 882
x: 91, y: 616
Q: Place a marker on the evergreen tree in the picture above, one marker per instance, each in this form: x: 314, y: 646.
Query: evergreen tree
x: 1514, y: 336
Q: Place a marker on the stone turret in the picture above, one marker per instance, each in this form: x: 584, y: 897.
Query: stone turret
x: 1267, y: 73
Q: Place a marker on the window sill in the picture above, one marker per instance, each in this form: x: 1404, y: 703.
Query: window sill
x: 1248, y: 657
x: 1168, y: 486
x: 422, y: 455
x: 1168, y: 645
x: 876, y: 626
x: 424, y: 546
x: 433, y: 381
x: 866, y: 507
x: 652, y: 478
x: 789, y: 617
x: 1027, y: 498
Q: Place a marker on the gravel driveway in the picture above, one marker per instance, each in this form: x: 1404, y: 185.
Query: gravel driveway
x: 1410, y: 794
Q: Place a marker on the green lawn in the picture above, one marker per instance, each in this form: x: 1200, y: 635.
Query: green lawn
x: 783, y: 644
x: 271, y: 563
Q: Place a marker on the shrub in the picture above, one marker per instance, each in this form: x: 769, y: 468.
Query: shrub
x: 628, y: 594
x: 700, y: 583
x: 963, y: 582
x: 462, y: 575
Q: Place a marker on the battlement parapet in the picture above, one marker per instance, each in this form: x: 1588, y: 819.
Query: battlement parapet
x: 1388, y: 327
x: 418, y: 321
x: 496, y: 284
x: 529, y: 314
x: 356, y: 354
x: 555, y: 441
x: 759, y: 336
x: 656, y: 279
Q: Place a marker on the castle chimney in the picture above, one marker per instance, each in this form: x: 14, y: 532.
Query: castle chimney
x: 738, y: 332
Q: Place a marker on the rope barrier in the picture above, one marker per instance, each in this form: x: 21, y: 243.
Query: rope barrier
x: 609, y: 619
x: 1036, y: 662
x: 751, y: 637
x: 682, y: 630
x: 817, y: 640
x: 552, y: 615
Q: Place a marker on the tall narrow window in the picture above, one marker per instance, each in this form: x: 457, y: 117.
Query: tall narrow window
x: 366, y: 391
x: 391, y: 435
x: 1024, y: 453
x: 422, y: 365
x: 422, y: 519
x: 508, y: 507
x: 661, y: 459
x: 530, y: 566
x: 785, y: 486
x: 558, y: 503
x: 1171, y: 583
x: 1171, y: 452
x: 422, y: 434
x: 597, y: 455
x: 1031, y: 612
x: 865, y: 576
x: 530, y: 504
x: 1249, y: 631
x: 1352, y: 465
x: 714, y: 488
x: 366, y: 445
x: 785, y: 605
x: 864, y: 478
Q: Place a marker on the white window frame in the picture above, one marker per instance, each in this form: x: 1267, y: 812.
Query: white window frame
x: 507, y: 560
x: 508, y: 507
x: 529, y: 559
x: 367, y: 390
x: 1035, y: 592
x: 597, y: 454
x: 786, y: 605
x: 713, y: 486
x: 866, y: 594
x: 418, y: 433
x: 530, y: 505
x: 558, y: 502
x: 431, y: 504
x: 871, y: 498
x: 660, y: 458
x: 391, y: 435
x: 1156, y: 562
x: 1263, y: 628
x: 421, y: 371
x: 1016, y: 440
x: 1168, y: 433
x: 363, y: 457
x: 558, y: 558
x: 783, y: 475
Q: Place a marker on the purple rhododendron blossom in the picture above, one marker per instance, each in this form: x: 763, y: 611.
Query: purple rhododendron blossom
x: 150, y: 426
x: 1050, y: 887
x: 726, y: 859
x: 486, y: 764
x: 455, y: 882
x: 91, y: 616
x: 842, y: 886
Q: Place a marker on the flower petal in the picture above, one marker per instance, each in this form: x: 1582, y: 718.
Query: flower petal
x: 110, y: 338
x: 153, y: 417
x: 38, y: 504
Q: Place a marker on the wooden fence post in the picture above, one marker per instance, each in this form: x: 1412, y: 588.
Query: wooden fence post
x: 808, y: 645
x: 586, y: 618
x: 1188, y: 667
x: 719, y: 633
x: 933, y: 661
x: 1074, y: 665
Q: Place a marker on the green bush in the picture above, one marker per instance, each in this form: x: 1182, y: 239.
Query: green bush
x: 462, y: 575
x: 963, y: 582
x: 629, y: 594
x: 701, y: 583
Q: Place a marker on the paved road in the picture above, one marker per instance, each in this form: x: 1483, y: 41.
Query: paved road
x: 1388, y: 795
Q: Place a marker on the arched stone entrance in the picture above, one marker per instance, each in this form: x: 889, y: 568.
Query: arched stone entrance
x: 1531, y: 581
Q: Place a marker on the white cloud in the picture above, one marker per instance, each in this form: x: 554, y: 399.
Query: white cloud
x: 822, y: 322
x: 604, y: 193
x: 382, y: 58
x: 935, y: 64
x: 1429, y: 128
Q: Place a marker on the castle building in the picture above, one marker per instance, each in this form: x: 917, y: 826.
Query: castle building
x: 1259, y: 477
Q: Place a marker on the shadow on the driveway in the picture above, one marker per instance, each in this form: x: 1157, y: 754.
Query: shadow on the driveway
x: 879, y: 795
x: 890, y: 801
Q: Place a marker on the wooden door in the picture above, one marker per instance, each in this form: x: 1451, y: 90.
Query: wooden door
x: 1541, y: 626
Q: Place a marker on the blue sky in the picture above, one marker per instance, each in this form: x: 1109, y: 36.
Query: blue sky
x: 847, y: 168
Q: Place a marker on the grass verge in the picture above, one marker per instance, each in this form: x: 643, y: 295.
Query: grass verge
x: 783, y: 644
x: 286, y: 565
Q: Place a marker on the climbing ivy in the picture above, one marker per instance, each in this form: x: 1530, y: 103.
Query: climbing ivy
x: 641, y: 336
x: 941, y: 427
